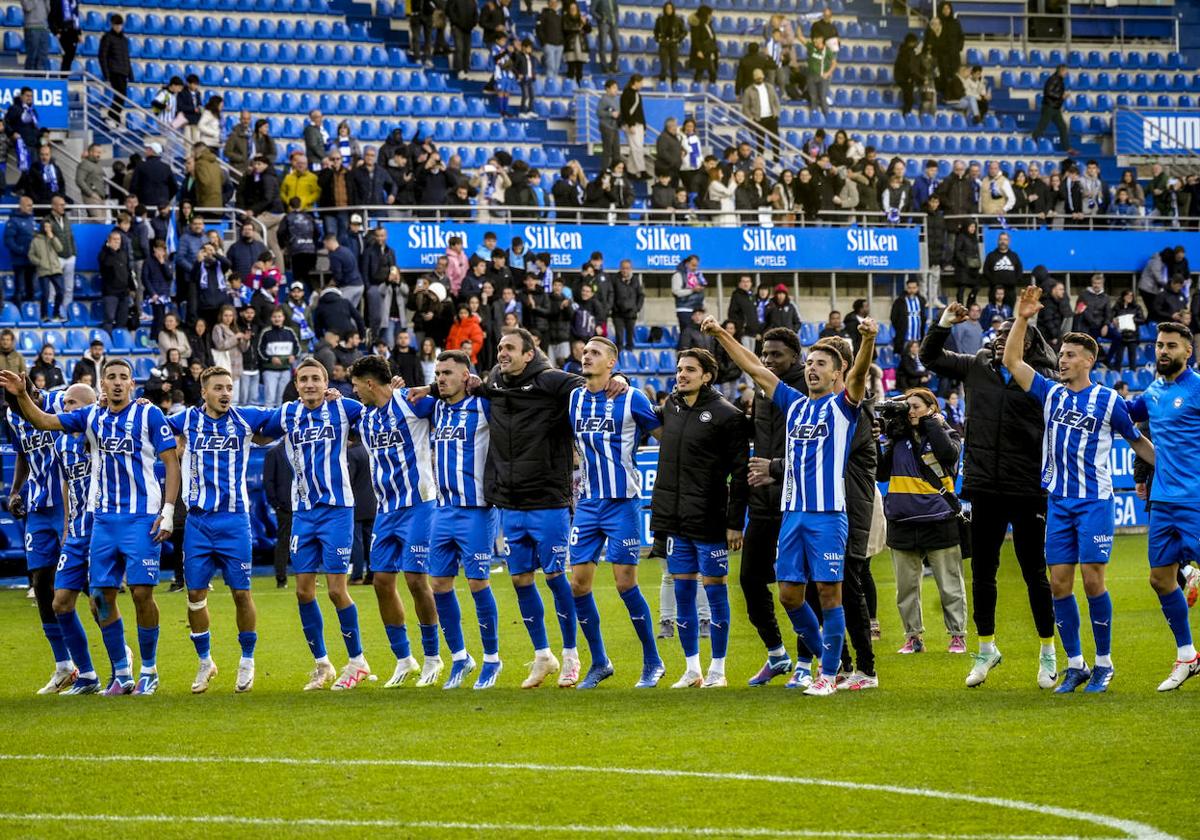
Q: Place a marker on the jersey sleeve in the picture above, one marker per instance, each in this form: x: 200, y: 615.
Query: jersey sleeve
x: 422, y: 408
x: 1138, y: 412
x: 272, y: 426
x: 75, y: 421
x: 158, y: 430
x: 643, y: 413
x: 785, y: 395
x: 1122, y: 423
x: 353, y: 409
x: 255, y: 417
x: 849, y: 409
x: 1040, y: 387
x: 178, y: 422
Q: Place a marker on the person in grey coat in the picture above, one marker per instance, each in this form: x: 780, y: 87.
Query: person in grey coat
x: 608, y: 109
x: 89, y: 177
x: 37, y: 34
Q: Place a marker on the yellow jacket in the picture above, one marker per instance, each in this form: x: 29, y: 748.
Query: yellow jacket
x: 302, y: 186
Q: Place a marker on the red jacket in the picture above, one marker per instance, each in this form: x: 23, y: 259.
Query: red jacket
x: 466, y: 329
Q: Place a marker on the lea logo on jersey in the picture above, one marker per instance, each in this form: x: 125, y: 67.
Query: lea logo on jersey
x: 116, y: 445
x: 595, y: 424
x: 450, y: 433
x: 216, y: 443
x: 1076, y: 420
x: 810, y: 431
x: 37, y: 439
x: 385, y: 439
x: 311, y: 434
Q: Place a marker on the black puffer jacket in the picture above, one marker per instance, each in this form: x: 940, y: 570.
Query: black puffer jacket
x: 700, y: 490
x: 532, y: 447
x: 770, y: 441
x: 1004, y: 437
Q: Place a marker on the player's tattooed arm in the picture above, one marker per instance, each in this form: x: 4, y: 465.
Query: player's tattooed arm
x: 14, y: 384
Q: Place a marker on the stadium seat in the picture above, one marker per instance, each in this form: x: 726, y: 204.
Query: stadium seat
x: 30, y: 315
x: 9, y: 315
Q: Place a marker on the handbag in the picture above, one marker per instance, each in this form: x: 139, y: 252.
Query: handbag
x: 962, y: 515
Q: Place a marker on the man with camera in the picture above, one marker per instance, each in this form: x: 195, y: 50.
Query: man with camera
x: 918, y: 458
x: 1002, y: 479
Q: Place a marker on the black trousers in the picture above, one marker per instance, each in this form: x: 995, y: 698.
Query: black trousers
x: 908, y: 95
x: 764, y: 125
x: 991, y: 514
x: 283, y: 536
x: 668, y: 62
x: 623, y: 327
x: 119, y: 84
x: 759, y: 546
x: 461, y: 57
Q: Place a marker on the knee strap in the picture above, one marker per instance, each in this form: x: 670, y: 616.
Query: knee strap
x: 196, y: 606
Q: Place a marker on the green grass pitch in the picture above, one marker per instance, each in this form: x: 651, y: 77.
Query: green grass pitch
x: 921, y: 757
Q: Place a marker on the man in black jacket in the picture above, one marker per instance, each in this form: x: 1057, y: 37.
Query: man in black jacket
x: 153, y: 182
x: 1055, y: 318
x: 115, y: 66
x: 1053, y: 94
x: 550, y: 35
x: 1002, y: 471
x: 908, y: 316
x: 628, y: 299
x: 277, y: 484
x: 632, y: 119
x: 699, y: 503
x: 1002, y: 267
x: 743, y: 311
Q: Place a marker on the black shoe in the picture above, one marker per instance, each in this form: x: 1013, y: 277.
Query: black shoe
x: 281, y: 584
x: 176, y: 586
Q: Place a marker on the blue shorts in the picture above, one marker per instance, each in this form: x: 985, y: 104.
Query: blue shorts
x: 43, y: 536
x: 72, y: 571
x: 1174, y: 534
x: 1079, y: 530
x: 617, y: 521
x: 812, y: 547
x: 689, y: 557
x: 535, y: 539
x: 322, y: 540
x: 461, y: 535
x: 123, y: 547
x: 217, y: 539
x: 400, y: 540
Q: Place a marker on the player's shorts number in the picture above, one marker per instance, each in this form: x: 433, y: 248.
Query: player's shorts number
x: 294, y: 544
x: 62, y: 562
x: 574, y: 536
x: 28, y: 542
x: 670, y: 545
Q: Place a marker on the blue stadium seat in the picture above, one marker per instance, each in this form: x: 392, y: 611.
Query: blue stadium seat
x: 100, y: 335
x: 74, y: 340
x: 30, y: 315
x: 641, y: 335
x: 142, y: 368
x: 29, y: 342
x: 9, y: 315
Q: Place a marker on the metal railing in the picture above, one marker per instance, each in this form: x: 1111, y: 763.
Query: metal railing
x: 223, y: 219
x: 1080, y: 221
x: 1019, y: 24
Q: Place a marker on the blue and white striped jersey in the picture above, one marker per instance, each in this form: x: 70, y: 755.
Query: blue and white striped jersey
x: 316, y: 449
x: 75, y: 462
x: 461, y: 433
x: 124, y: 446
x: 818, y: 444
x: 43, y: 488
x: 216, y: 454
x: 1079, y: 436
x: 397, y: 439
x: 606, y: 436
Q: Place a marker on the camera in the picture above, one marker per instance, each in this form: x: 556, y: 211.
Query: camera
x: 893, y: 417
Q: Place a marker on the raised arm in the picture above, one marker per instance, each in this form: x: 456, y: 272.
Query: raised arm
x: 14, y: 384
x: 856, y: 379
x: 934, y: 354
x: 1028, y: 306
x: 742, y: 357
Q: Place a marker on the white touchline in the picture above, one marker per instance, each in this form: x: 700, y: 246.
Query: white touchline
x: 1133, y: 829
x: 657, y: 831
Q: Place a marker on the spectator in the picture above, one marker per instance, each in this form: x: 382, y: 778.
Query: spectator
x: 208, y: 130
x: 662, y: 193
x: 47, y: 368
x: 115, y: 66
x: 1127, y: 319
x: 344, y: 271
x: 826, y: 28
x: 10, y: 358
x: 721, y: 196
x: 316, y: 142
x: 633, y: 122
x: 549, y: 31
x: 334, y: 314
x: 760, y: 105
x: 172, y: 337
x: 668, y: 152
x: 1053, y: 99
x: 1002, y: 266
x: 705, y: 49
x: 244, y: 253
x: 370, y: 184
x: 669, y: 33
x: 604, y: 13
x: 64, y: 232
x: 1054, y: 320
x: 628, y: 299
x: 906, y: 72
x: 753, y: 60
x: 781, y: 312
x: 967, y: 264
x: 45, y: 255
x: 1171, y: 303
x: 687, y: 287
x: 822, y: 61
x: 955, y: 95
x: 895, y: 198
x: 997, y: 306
x: 153, y: 182
x: 278, y: 348
x: 525, y: 67
x: 975, y: 88
x: 19, y: 231
x: 744, y: 312
x: 945, y: 45
x: 1129, y: 182
x: 43, y: 179
x: 90, y: 179
x: 575, y: 37
x: 966, y: 337
x: 912, y: 372
x: 299, y: 183
x: 404, y: 360
x: 209, y: 179
x: 535, y: 306
x: 608, y: 111
x: 996, y: 196
x: 690, y: 335
x: 1093, y: 190
x: 908, y: 316
x: 463, y: 16
x: 867, y: 182
x: 116, y: 281
x: 21, y: 126
x: 210, y: 283
x: 239, y: 143
x: 834, y: 327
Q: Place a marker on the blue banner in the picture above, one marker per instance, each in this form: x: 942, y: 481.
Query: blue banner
x: 661, y: 248
x: 89, y: 239
x: 1090, y: 250
x: 1172, y: 132
x: 49, y: 98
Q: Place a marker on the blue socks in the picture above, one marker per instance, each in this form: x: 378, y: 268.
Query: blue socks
x: 148, y: 646
x: 398, y: 639
x: 1101, y: 611
x: 639, y: 614
x: 76, y: 639
x: 247, y: 640
x: 718, y: 602
x: 58, y: 645
x: 687, y: 619
x: 488, y: 616
x: 429, y: 639
x: 534, y: 614
x: 313, y: 625
x: 450, y: 617
x: 807, y: 628
x: 348, y: 621
x: 589, y: 622
x: 203, y: 643
x: 1066, y: 616
x: 114, y: 642
x: 1175, y: 608
x: 831, y: 643
x: 564, y: 608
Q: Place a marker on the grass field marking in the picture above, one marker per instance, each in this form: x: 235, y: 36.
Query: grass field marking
x: 1133, y: 829
x: 658, y: 831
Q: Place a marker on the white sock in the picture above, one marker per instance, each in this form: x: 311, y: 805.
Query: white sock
x: 987, y: 647
x: 458, y: 655
x: 1186, y: 653
x: 1048, y: 649
x: 777, y: 652
x: 717, y: 664
x: 206, y: 660
x: 245, y: 660
x: 568, y: 653
x: 1104, y: 662
x: 324, y: 660
x: 693, y: 663
x: 1076, y: 662
x: 65, y: 665
x: 359, y: 661
x: 804, y: 665
x: 491, y: 657
x: 127, y: 671
x: 544, y: 653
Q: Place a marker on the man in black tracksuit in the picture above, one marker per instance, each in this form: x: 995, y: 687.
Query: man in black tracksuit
x: 1002, y: 479
x: 699, y: 503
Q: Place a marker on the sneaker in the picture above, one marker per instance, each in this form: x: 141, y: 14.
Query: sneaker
x: 147, y: 684
x: 801, y: 677
x: 459, y: 668
x: 539, y: 669
x: 596, y: 675
x: 666, y: 629
x: 1072, y: 679
x: 204, y: 675
x: 322, y: 675
x: 651, y: 674
x: 844, y: 681
x: 431, y: 670
x: 176, y: 586
x: 876, y: 633
x: 771, y: 669
x: 822, y: 686
x: 862, y: 682
x: 690, y: 679
x: 984, y: 663
x: 352, y: 674
x: 1101, y: 676
x: 281, y: 584
x: 705, y: 628
x: 958, y: 644
x: 404, y: 667
x: 245, y: 676
x: 570, y: 671
x: 1191, y: 583
x: 488, y: 673
x: 1180, y: 673
x: 1047, y: 674
x: 715, y: 679
x: 84, y: 685
x: 119, y: 685
x: 913, y: 644
x: 61, y: 679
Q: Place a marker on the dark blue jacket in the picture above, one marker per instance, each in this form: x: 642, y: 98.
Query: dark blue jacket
x: 343, y: 266
x: 18, y: 234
